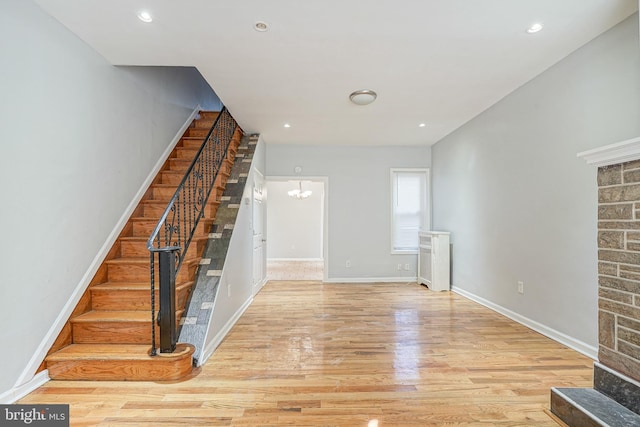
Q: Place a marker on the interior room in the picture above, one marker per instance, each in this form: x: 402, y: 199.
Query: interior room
x: 215, y: 193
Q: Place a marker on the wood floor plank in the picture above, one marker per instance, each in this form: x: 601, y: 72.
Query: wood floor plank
x: 314, y: 354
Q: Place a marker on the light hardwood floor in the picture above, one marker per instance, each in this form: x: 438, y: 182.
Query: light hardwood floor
x: 313, y: 354
x: 295, y: 270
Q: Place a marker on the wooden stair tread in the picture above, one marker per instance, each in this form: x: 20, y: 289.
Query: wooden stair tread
x: 129, y: 260
x: 113, y: 352
x: 145, y: 239
x: 114, y: 286
x: 119, y: 362
x: 165, y: 203
x: 165, y: 186
x: 114, y: 316
x: 136, y: 261
x: 133, y: 286
x: 144, y: 219
x: 204, y: 123
x: 134, y: 238
x: 172, y: 172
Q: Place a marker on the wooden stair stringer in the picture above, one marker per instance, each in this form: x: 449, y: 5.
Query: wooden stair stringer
x: 108, y: 335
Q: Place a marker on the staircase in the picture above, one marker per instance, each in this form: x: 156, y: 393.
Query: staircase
x: 108, y: 336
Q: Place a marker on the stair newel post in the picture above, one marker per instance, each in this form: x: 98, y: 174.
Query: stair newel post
x: 167, y: 315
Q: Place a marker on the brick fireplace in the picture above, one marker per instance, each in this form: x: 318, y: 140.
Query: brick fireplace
x: 615, y: 397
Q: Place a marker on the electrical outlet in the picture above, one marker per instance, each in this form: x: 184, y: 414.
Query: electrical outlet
x: 399, y: 267
x: 521, y: 287
x: 348, y: 263
x: 407, y: 267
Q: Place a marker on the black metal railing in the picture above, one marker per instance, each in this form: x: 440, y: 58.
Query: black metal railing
x: 175, y: 230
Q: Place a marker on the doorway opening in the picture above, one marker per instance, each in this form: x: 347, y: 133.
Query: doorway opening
x: 296, y: 228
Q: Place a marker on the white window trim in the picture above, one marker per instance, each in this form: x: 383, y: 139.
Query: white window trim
x: 427, y: 220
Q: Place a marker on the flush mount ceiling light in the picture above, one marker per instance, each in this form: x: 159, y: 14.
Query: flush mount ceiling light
x: 363, y: 97
x: 261, y: 26
x: 535, y: 28
x: 144, y: 16
x: 421, y: 125
x: 287, y: 125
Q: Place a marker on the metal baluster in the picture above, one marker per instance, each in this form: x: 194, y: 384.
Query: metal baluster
x: 177, y: 225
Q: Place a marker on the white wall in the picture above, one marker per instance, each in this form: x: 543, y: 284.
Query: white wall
x: 519, y: 204
x: 294, y: 225
x: 78, y: 137
x: 359, y: 197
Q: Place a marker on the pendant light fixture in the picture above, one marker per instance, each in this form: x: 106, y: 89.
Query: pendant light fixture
x: 297, y: 193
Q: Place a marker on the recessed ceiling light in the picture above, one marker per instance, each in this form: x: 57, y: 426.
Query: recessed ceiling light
x: 534, y: 28
x: 287, y: 125
x: 421, y: 125
x: 145, y: 16
x: 261, y: 26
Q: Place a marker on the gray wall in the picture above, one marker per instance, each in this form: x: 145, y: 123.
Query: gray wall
x: 359, y: 202
x: 519, y: 204
x: 78, y: 137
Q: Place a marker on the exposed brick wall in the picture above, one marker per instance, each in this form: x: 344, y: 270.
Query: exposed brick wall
x: 619, y: 267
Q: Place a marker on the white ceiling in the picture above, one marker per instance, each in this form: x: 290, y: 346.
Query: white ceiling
x: 439, y: 62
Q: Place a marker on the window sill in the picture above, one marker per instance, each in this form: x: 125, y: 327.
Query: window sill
x: 404, y: 251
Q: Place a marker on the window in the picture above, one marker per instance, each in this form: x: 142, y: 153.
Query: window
x: 409, y: 208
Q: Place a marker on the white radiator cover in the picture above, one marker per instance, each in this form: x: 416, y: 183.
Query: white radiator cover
x: 434, y: 260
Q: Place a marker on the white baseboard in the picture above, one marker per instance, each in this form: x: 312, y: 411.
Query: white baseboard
x: 21, y: 391
x: 294, y: 259
x: 258, y: 286
x: 217, y: 340
x: 371, y: 280
x: 577, y: 345
x: 64, y: 315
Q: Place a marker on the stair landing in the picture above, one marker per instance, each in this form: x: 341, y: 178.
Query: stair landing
x: 119, y: 363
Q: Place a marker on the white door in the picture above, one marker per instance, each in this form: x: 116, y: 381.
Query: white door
x: 259, y: 199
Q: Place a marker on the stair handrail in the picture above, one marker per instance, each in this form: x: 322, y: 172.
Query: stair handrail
x: 175, y: 229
